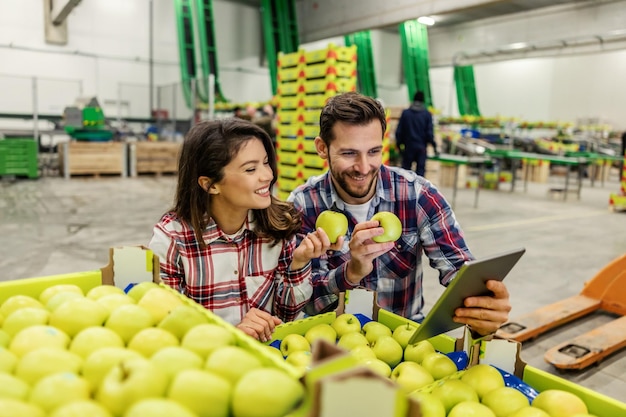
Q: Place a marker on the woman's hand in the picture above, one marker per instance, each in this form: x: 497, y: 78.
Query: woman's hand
x: 314, y: 245
x: 259, y: 324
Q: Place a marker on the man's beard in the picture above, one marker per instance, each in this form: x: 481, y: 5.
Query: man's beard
x: 340, y: 180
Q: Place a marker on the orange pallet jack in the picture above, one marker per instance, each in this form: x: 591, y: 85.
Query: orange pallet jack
x: 606, y: 291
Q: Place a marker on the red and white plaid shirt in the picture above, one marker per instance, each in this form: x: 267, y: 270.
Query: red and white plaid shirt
x: 233, y: 273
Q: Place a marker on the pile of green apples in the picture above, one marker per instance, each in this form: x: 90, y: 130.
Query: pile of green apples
x: 148, y: 352
x: 428, y: 376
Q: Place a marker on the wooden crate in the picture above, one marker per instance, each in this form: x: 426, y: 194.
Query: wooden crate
x: 154, y: 157
x: 93, y: 158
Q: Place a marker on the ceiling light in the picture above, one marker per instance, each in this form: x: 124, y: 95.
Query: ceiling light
x: 518, y: 45
x: 426, y: 20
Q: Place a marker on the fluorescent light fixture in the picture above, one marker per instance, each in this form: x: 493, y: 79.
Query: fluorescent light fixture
x: 426, y: 20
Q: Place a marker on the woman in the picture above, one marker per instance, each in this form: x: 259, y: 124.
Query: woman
x: 228, y: 243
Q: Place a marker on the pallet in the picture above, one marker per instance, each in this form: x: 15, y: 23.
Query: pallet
x: 155, y: 158
x: 92, y: 159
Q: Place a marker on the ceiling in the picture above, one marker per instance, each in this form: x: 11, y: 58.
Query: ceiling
x: 486, y: 10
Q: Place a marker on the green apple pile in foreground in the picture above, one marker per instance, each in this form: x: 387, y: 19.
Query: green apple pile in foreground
x: 428, y: 376
x: 145, y: 353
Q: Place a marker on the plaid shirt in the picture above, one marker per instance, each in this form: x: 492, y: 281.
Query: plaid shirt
x: 232, y: 274
x: 429, y: 226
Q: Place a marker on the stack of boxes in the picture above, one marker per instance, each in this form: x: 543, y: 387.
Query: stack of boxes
x: 306, y: 79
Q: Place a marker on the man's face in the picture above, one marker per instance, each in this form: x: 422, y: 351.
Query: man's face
x: 354, y: 159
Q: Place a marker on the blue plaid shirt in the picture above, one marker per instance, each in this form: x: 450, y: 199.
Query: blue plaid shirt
x: 429, y: 226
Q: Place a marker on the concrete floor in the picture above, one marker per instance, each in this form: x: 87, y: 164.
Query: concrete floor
x: 53, y: 226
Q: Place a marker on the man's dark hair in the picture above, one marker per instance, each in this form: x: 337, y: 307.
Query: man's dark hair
x: 418, y: 96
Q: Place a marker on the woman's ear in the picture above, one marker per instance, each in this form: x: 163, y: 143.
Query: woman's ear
x: 206, y: 185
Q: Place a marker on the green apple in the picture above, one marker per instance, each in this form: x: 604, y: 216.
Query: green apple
x: 390, y: 223
x: 300, y: 359
x: 379, y: 367
x: 35, y: 337
x: 23, y: 318
x: 151, y: 340
x: 483, y: 378
x: 158, y: 407
x: 388, y: 350
x: 534, y: 412
x: 351, y: 340
x: 411, y: 376
x: 58, y: 389
x: 439, y: 365
x: 453, y: 391
x: 373, y: 330
x: 61, y: 298
x: 128, y: 382
x: 231, y: 362
x: 471, y: 409
x: 49, y: 292
x: 430, y: 406
x: 203, y: 392
x: 81, y: 408
x: 128, y: 320
x: 346, y: 323
x: 159, y: 302
x: 93, y: 338
x: 174, y: 359
x: 138, y: 290
x: 362, y: 353
x: 45, y: 361
x: 334, y: 224
x: 505, y: 400
x: 100, y: 362
x: 113, y: 301
x: 16, y: 302
x: 181, y: 319
x: 416, y: 352
x: 205, y: 338
x: 272, y: 351
x: 5, y: 339
x: 102, y: 290
x: 266, y: 392
x: 13, y: 387
x: 322, y: 331
x: 293, y: 343
x: 8, y: 360
x: 78, y: 314
x: 10, y: 407
x: 403, y: 334
x: 559, y: 403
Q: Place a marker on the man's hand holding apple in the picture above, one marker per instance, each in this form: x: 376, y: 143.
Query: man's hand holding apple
x: 259, y: 324
x: 363, y: 250
x: 485, y: 314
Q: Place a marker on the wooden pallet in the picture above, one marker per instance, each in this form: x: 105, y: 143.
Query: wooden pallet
x: 153, y: 158
x: 93, y: 158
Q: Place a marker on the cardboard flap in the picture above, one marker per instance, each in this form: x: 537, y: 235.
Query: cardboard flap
x: 129, y: 265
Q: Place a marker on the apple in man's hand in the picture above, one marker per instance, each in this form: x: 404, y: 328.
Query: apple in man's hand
x: 335, y: 224
x: 391, y: 224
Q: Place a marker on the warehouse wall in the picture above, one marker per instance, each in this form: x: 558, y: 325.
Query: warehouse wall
x: 108, y: 54
x: 108, y: 50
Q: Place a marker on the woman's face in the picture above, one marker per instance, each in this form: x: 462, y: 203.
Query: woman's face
x: 246, y: 181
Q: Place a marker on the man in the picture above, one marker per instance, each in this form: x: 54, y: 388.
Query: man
x: 414, y: 133
x: 357, y: 184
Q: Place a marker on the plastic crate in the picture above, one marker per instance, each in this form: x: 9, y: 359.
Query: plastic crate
x: 19, y: 157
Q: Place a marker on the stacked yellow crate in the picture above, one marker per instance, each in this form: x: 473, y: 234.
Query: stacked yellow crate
x: 306, y: 79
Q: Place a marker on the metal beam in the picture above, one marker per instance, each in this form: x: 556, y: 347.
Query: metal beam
x: 61, y: 9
